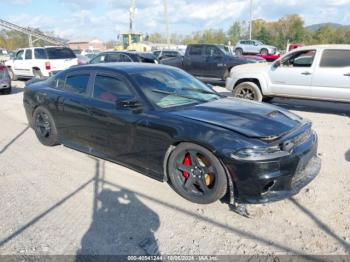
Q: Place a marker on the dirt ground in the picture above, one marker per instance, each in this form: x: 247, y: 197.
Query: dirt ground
x: 59, y: 201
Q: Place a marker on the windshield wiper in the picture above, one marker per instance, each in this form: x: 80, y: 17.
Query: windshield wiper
x: 198, y: 90
x: 176, y: 94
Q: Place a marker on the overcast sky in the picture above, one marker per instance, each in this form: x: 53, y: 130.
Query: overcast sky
x: 87, y: 19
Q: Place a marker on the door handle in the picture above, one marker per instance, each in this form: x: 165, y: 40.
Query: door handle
x: 348, y: 74
x: 306, y: 73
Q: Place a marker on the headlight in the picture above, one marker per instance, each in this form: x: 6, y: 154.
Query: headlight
x: 259, y: 153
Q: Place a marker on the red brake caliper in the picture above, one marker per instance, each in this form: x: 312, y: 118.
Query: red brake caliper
x: 187, y: 162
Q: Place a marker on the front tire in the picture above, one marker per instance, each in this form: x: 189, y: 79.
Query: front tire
x: 44, y: 127
x: 196, y: 174
x: 8, y: 91
x: 248, y: 90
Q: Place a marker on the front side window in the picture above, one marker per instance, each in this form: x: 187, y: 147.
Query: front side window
x: 125, y: 58
x: 110, y: 89
x: 112, y: 58
x: 98, y: 59
x: 40, y: 53
x: 169, y: 88
x: 195, y: 50
x: 212, y: 51
x: 19, y: 55
x: 77, y: 83
x: 299, y: 59
x: 29, y: 54
x: 335, y: 58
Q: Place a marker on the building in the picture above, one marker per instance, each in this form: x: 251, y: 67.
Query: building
x: 82, y: 45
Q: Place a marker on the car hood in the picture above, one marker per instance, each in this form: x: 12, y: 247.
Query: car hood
x: 252, y: 119
x: 249, y: 68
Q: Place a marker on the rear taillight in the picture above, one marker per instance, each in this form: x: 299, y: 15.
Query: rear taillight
x: 47, y: 66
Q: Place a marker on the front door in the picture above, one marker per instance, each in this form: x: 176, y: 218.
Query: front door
x: 215, y: 66
x: 115, y: 133
x: 18, y: 64
x: 292, y: 75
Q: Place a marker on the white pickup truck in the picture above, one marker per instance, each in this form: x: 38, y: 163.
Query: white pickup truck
x: 312, y: 72
x: 40, y: 61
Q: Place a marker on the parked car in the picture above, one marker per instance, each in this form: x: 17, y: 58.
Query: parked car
x: 206, y: 60
x: 40, y: 61
x: 254, y: 47
x: 4, y: 55
x: 82, y: 59
x: 312, y: 72
x: 163, y: 54
x: 123, y: 56
x: 5, y: 80
x: 170, y: 126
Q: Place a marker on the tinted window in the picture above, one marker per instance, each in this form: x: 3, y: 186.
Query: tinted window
x: 60, y: 53
x: 40, y: 53
x: 29, y: 54
x: 195, y: 50
x: 77, y: 83
x: 335, y: 58
x: 113, y: 58
x: 98, y: 59
x: 110, y: 89
x: 125, y: 58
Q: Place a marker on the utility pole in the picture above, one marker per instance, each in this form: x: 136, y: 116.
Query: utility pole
x: 166, y: 22
x: 251, y: 20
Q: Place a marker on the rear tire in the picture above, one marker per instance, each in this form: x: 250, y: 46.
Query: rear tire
x: 8, y: 91
x: 239, y: 51
x: 12, y: 75
x: 37, y: 73
x: 202, y: 179
x: 248, y: 90
x: 264, y: 51
x: 44, y: 127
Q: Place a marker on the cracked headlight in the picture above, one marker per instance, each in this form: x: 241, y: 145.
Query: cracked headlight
x: 259, y: 153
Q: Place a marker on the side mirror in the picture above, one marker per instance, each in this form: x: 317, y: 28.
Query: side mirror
x: 277, y: 64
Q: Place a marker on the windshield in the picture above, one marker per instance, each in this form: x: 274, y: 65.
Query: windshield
x: 169, y: 88
x: 60, y: 53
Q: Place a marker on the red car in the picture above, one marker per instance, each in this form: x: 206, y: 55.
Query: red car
x: 5, y: 80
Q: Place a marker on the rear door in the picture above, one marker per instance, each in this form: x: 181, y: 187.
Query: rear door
x: 332, y: 78
x: 194, y: 61
x: 18, y: 63
x: 77, y: 123
x: 28, y: 62
x: 293, y: 75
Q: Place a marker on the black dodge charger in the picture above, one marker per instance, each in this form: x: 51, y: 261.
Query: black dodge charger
x: 170, y: 126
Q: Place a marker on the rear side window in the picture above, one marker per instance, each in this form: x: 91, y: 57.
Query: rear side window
x: 110, y: 89
x: 39, y: 53
x: 29, y: 54
x: 60, y: 53
x: 335, y: 58
x: 98, y: 59
x: 195, y: 50
x: 111, y: 58
x: 77, y: 83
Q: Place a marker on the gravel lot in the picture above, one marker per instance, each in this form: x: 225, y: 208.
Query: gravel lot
x: 59, y: 201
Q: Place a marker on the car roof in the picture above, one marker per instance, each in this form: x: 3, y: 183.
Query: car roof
x: 125, y: 67
x: 321, y: 47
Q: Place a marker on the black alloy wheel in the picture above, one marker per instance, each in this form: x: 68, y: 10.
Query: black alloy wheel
x: 44, y: 127
x: 196, y: 174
